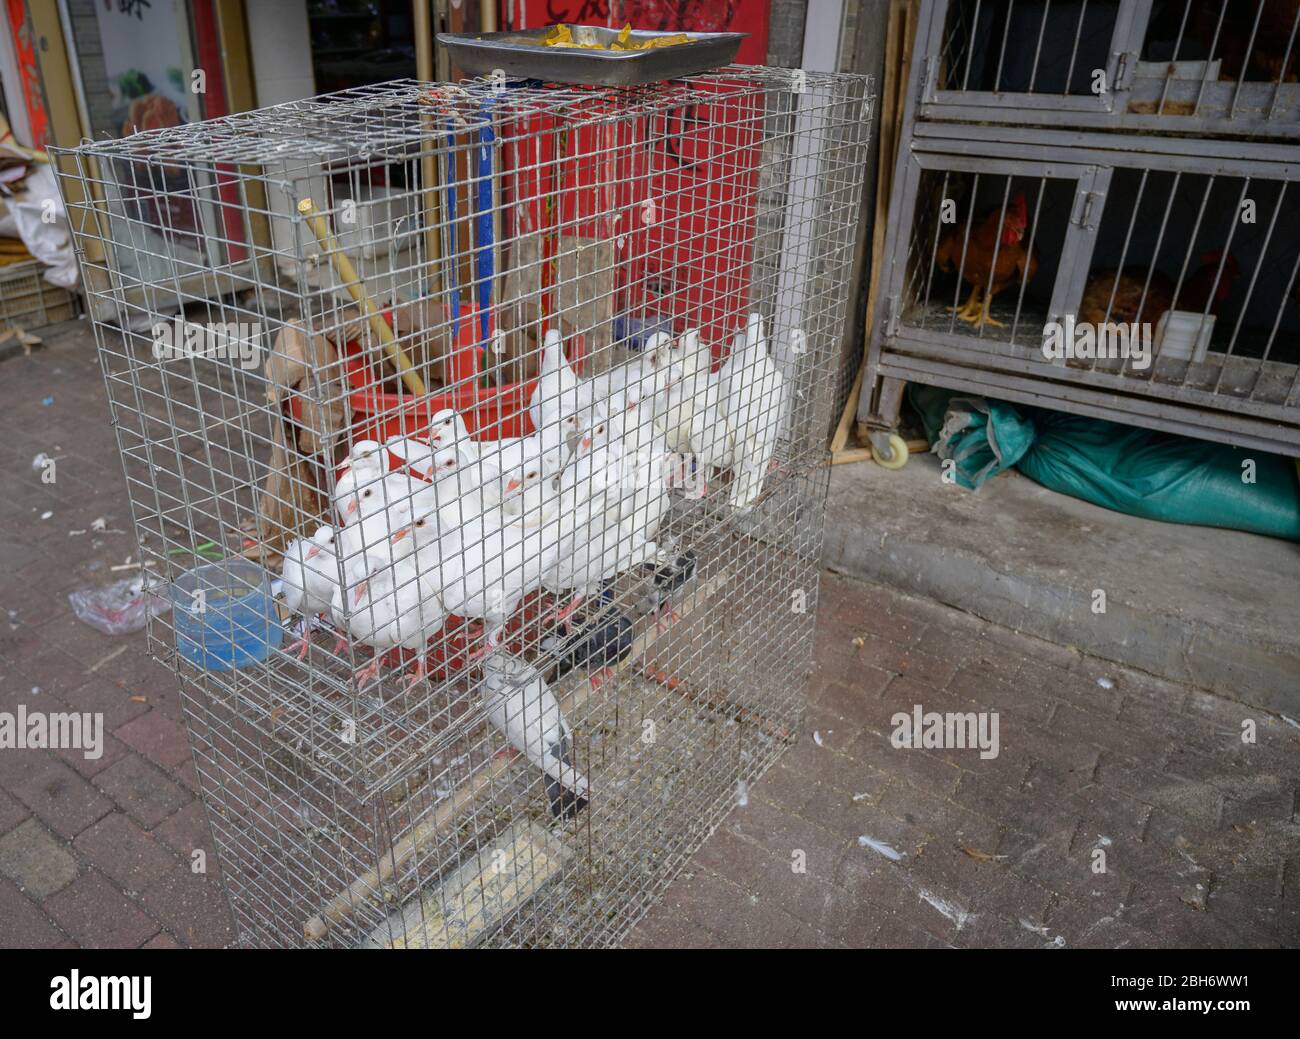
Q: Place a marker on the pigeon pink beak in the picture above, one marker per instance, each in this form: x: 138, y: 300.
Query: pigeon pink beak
x: 352, y: 507
x: 398, y: 535
x: 360, y: 592
x: 586, y: 443
x: 513, y: 485
x: 312, y: 552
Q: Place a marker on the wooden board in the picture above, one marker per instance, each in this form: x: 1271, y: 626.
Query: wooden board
x: 900, y: 32
x: 480, y: 893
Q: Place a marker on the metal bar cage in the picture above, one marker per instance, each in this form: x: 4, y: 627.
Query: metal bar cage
x: 475, y: 434
x: 1187, y: 66
x: 1141, y: 278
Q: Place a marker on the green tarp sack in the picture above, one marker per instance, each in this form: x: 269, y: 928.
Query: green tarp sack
x: 1138, y: 471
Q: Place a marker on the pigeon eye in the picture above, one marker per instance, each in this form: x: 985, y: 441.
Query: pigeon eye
x: 419, y: 522
x: 367, y: 493
x: 531, y: 476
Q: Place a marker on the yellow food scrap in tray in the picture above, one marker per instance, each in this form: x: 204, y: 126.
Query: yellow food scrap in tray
x: 665, y: 41
x: 562, y: 36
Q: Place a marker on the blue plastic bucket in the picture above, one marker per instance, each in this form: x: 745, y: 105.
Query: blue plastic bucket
x: 225, y: 615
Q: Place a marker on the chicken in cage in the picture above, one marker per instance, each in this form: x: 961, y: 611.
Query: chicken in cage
x: 504, y: 548
x: 1095, y: 211
x: 1181, y: 276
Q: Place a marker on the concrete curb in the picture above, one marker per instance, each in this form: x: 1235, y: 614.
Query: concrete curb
x: 898, y: 529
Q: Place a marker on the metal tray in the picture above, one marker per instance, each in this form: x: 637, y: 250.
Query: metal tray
x: 523, y: 54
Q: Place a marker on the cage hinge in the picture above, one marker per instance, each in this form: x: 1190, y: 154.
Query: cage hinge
x: 923, y: 91
x: 1124, y: 66
x: 1085, y: 207
x: 891, y: 316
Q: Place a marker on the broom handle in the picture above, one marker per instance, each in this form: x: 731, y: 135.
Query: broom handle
x: 357, y: 290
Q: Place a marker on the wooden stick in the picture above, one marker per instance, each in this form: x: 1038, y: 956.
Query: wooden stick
x: 365, y: 886
x: 357, y: 290
x: 850, y: 455
x: 424, y: 71
x: 863, y: 454
x: 898, y: 34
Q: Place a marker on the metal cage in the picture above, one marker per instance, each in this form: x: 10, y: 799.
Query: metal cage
x: 1183, y: 66
x: 1169, y: 258
x: 476, y: 434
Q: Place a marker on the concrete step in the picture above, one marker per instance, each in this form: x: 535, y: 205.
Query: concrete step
x: 1217, y: 609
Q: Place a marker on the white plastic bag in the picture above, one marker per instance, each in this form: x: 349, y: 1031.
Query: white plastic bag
x: 118, y: 608
x: 42, y: 224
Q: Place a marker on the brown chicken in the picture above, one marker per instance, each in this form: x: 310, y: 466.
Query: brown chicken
x: 1159, y: 294
x: 995, y: 258
x: 1128, y: 306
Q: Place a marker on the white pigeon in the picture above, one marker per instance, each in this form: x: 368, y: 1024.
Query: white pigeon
x: 558, y: 394
x: 417, y: 609
x: 489, y: 564
x: 601, y: 387
x: 712, y: 441
x: 597, y: 552
x: 365, y: 547
x: 388, y: 598
x: 368, y: 614
x: 416, y: 455
x: 643, y: 496
x: 521, y: 705
x: 463, y: 486
x: 511, y: 455
x: 310, y: 576
x: 597, y: 544
x: 366, y: 487
x: 364, y: 464
x: 753, y: 399
x: 684, y: 360
x: 447, y: 429
x: 524, y: 491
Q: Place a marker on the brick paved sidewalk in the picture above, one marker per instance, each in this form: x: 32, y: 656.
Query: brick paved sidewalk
x: 1199, y: 830
x: 1196, y: 826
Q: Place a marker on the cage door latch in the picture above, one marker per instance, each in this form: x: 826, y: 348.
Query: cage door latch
x: 923, y: 90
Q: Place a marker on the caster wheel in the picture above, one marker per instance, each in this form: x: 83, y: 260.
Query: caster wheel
x: 894, y: 456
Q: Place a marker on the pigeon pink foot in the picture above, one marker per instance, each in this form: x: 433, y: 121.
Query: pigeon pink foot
x: 371, y: 670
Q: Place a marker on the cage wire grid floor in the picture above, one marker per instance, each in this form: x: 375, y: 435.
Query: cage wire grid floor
x: 719, y: 725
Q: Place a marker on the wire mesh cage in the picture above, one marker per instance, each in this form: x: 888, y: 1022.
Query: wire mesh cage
x: 476, y: 434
